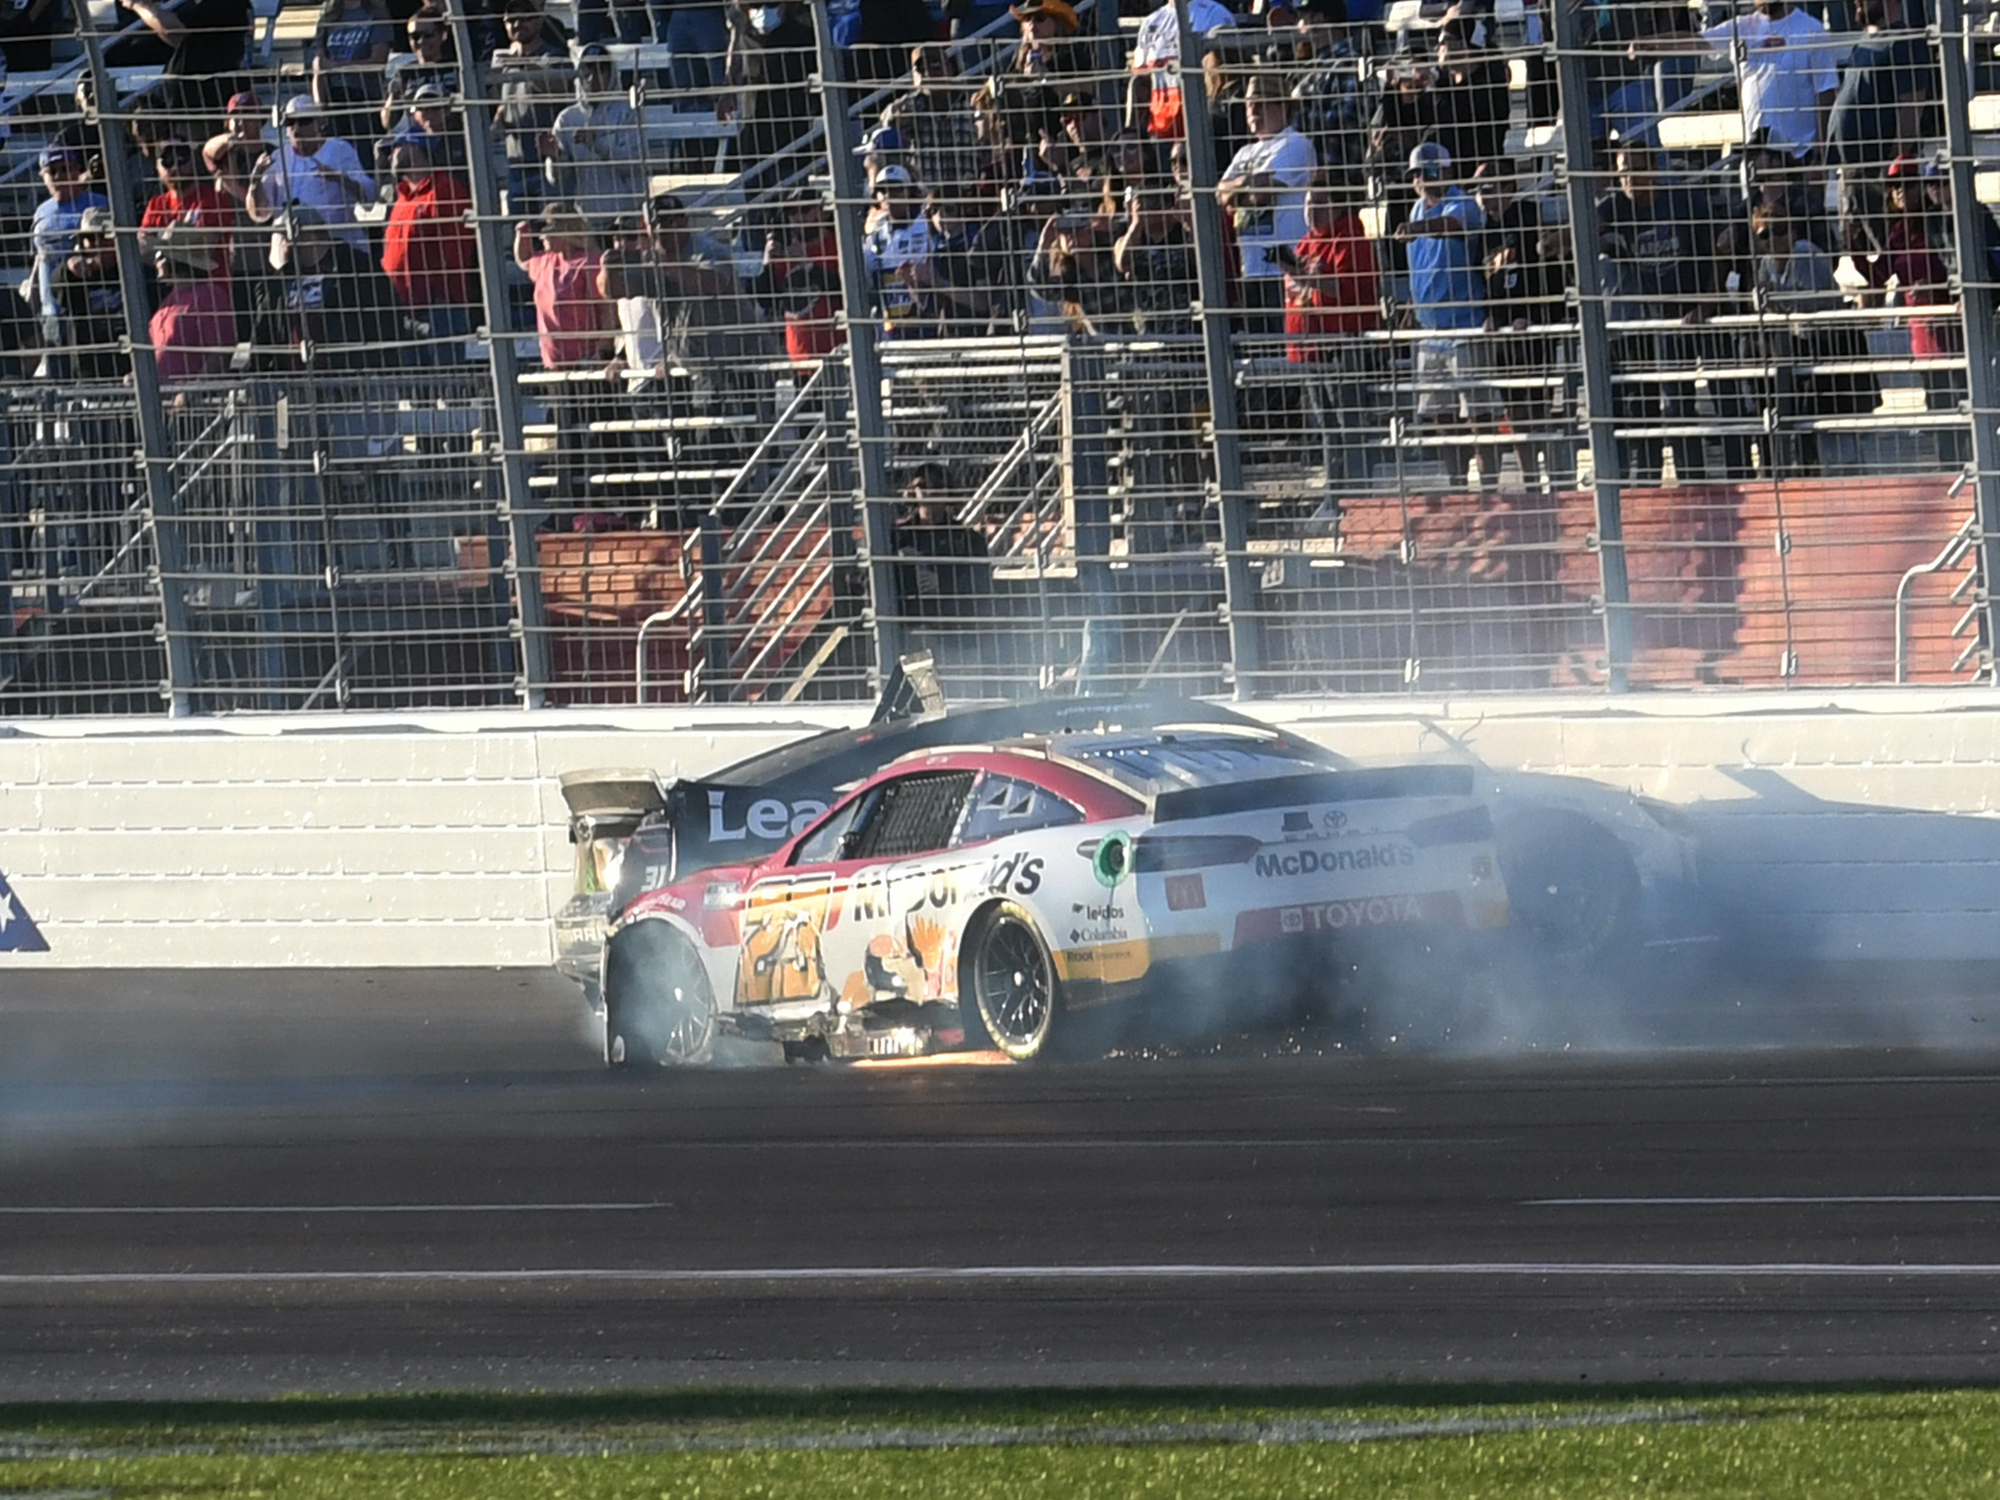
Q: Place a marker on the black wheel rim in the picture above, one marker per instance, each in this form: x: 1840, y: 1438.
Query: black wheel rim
x: 1570, y: 902
x: 1013, y: 984
x: 686, y: 1021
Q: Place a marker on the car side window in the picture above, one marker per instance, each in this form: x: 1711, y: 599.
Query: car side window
x: 1004, y: 805
x: 913, y: 814
x: 822, y: 845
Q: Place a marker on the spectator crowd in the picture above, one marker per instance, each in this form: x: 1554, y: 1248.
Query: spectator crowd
x: 1398, y: 255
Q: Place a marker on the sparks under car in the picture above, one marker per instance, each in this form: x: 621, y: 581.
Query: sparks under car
x: 1008, y: 895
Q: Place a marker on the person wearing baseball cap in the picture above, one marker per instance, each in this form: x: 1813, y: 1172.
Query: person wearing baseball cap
x: 314, y: 168
x: 899, y: 251
x: 432, y: 76
x: 1448, y: 296
x: 52, y: 232
x: 427, y: 118
x: 243, y: 129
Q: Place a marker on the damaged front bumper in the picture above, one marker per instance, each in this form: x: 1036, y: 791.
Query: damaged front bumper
x: 888, y: 1028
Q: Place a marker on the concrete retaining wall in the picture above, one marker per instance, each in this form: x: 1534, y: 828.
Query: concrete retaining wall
x: 1864, y: 825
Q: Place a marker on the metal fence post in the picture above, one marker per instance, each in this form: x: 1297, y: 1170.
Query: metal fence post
x: 519, y: 510
x: 156, y: 453
x: 1239, y: 581
x: 1976, y: 301
x: 1594, y: 344
x: 1089, y: 475
x: 864, y: 361
x: 712, y: 683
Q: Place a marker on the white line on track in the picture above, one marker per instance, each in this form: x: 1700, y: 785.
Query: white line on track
x: 1764, y: 1200
x: 107, y: 1209
x: 727, y: 1276
x: 1100, y: 1143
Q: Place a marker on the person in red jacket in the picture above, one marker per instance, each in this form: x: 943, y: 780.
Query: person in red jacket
x: 428, y: 252
x: 1331, y: 301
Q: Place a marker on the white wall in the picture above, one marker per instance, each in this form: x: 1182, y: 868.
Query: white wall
x: 1857, y: 825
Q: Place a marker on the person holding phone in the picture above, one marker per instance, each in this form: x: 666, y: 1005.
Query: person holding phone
x: 1263, y: 190
x: 311, y: 167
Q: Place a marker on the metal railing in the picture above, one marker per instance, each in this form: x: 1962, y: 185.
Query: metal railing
x: 1720, y: 444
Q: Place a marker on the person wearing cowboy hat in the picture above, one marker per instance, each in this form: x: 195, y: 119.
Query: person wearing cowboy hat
x: 194, y: 331
x: 1042, y: 20
x: 91, y: 299
x: 1048, y: 61
x: 1263, y: 190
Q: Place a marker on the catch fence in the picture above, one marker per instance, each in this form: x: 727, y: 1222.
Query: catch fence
x: 555, y: 361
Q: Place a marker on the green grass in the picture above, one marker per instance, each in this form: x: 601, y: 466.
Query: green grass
x: 1886, y: 1444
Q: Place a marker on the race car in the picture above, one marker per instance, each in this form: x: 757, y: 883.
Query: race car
x: 1013, y: 895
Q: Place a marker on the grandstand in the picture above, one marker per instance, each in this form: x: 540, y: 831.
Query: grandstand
x: 391, y: 357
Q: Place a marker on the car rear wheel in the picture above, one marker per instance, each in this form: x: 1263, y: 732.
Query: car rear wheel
x: 1572, y: 887
x: 1013, y: 984
x: 658, y: 1007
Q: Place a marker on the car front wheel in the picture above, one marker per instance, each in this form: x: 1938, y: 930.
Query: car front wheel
x: 658, y: 1007
x: 1013, y: 984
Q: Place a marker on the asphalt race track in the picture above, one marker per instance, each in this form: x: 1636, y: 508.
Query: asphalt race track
x: 250, y: 1183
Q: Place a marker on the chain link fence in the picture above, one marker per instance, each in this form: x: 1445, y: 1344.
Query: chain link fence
x: 610, y: 354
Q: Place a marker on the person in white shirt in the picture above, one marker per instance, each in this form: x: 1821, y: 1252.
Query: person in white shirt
x: 594, y: 148
x: 1155, y: 90
x: 1788, y: 80
x: 1263, y: 190
x: 310, y: 167
x: 898, y: 253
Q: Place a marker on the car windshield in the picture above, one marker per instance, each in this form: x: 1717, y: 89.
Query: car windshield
x: 1153, y: 764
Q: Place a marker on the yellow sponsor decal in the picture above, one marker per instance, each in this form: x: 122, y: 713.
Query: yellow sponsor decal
x: 1123, y: 962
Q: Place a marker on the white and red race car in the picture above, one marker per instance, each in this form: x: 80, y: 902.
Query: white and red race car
x: 1011, y: 895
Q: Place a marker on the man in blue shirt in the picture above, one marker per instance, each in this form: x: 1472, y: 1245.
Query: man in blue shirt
x: 1448, y: 297
x: 53, y: 234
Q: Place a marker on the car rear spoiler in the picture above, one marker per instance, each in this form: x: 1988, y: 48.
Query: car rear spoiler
x: 911, y: 691
x: 1361, y: 784
x: 610, y: 795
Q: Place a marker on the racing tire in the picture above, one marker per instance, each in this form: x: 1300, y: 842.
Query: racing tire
x: 659, y: 1008
x: 1572, y: 889
x: 1016, y: 998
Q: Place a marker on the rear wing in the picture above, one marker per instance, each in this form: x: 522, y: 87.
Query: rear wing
x: 911, y: 691
x: 1360, y: 784
x: 611, y: 795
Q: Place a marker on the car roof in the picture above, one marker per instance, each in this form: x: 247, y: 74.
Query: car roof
x: 840, y: 756
x: 1144, y: 763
